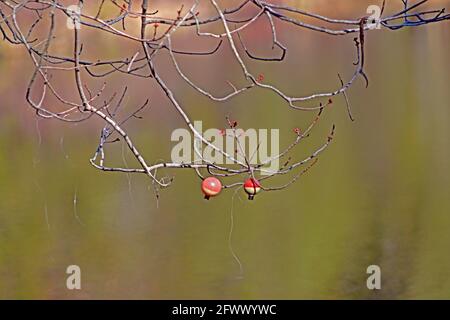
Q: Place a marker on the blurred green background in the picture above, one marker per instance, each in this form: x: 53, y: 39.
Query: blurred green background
x: 379, y: 194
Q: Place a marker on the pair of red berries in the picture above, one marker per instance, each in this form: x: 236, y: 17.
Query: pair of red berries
x: 212, y: 186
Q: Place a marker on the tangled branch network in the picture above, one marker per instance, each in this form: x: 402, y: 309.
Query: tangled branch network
x: 20, y: 20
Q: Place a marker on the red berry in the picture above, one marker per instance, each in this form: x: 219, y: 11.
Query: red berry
x: 211, y: 187
x: 252, y: 187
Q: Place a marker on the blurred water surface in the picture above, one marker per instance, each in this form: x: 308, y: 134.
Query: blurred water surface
x: 378, y: 195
